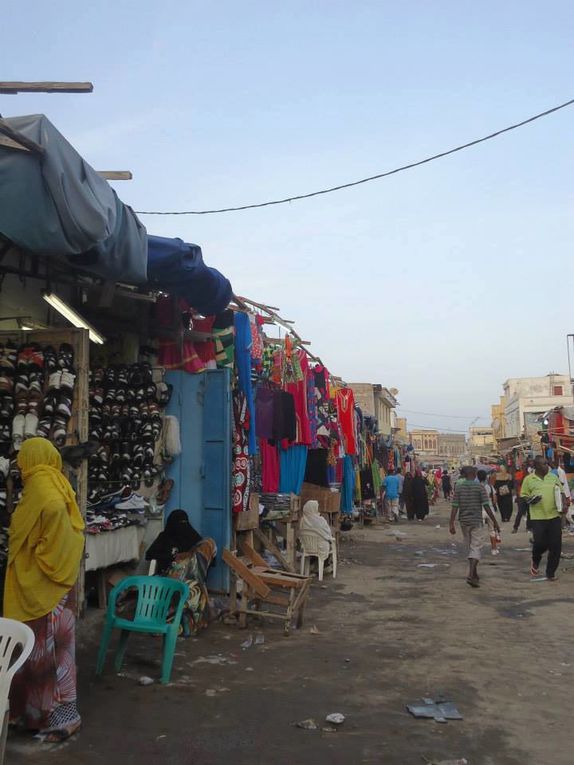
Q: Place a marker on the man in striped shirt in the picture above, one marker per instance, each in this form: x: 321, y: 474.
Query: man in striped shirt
x: 470, y: 499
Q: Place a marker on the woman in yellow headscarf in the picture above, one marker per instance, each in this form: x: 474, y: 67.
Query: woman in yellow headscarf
x: 46, y: 543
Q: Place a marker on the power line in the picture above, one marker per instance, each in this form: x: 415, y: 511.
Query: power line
x: 439, y: 430
x: 364, y: 180
x: 450, y: 416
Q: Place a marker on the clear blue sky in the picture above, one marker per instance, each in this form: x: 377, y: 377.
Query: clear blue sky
x: 442, y: 281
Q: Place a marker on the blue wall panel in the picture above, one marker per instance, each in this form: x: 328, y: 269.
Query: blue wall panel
x: 202, y: 473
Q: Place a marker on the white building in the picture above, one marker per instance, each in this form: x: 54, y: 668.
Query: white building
x: 526, y: 398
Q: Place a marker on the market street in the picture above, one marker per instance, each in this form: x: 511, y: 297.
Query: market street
x: 390, y: 632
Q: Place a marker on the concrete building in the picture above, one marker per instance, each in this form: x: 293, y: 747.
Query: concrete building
x: 376, y: 401
x: 480, y: 441
x: 401, y: 430
x: 527, y: 398
x: 425, y: 441
x: 437, y: 448
x: 452, y: 446
x: 497, y: 421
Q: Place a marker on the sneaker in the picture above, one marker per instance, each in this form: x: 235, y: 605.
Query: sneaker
x: 134, y: 502
x: 495, y: 552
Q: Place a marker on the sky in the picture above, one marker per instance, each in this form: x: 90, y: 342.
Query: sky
x: 442, y: 281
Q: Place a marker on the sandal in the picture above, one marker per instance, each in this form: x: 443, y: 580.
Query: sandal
x: 58, y: 735
x: 472, y: 582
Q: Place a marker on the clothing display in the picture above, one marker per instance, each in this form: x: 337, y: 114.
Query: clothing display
x: 243, y: 343
x: 241, y: 467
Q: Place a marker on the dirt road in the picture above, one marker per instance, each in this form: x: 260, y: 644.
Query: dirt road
x: 390, y: 631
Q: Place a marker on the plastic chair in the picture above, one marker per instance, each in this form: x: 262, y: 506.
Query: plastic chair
x: 310, y: 549
x: 13, y: 635
x: 154, y: 601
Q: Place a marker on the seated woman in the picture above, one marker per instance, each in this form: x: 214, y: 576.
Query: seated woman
x: 181, y: 553
x: 314, y: 522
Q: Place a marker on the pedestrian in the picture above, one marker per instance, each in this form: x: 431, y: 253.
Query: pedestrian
x: 491, y: 494
x: 542, y: 491
x: 470, y: 499
x: 446, y: 485
x: 559, y: 471
x: 408, y: 498
x: 391, y: 495
x: 401, y: 478
x: 420, y: 496
x: 504, y: 485
x: 522, y: 511
x: 46, y: 544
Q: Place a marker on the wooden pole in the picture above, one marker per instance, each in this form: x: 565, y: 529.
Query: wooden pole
x: 32, y: 146
x: 12, y: 88
x: 115, y: 175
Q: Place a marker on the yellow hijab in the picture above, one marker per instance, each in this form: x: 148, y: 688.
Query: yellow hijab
x: 46, y: 539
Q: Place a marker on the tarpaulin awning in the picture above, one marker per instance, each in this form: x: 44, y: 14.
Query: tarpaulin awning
x: 178, y: 268
x: 55, y: 204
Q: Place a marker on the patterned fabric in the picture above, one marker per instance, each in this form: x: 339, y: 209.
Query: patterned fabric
x: 192, y: 568
x: 312, y: 409
x: 241, y: 464
x: 43, y: 692
x: 256, y: 339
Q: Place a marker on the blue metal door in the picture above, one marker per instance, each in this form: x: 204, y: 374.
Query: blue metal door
x: 202, y: 473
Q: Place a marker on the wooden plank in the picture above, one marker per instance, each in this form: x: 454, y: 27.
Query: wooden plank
x: 115, y: 175
x: 10, y: 88
x: 32, y: 146
x: 245, y: 573
x: 273, y: 549
x: 8, y: 143
x: 250, y: 553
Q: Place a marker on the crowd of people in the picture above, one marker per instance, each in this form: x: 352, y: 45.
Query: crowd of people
x: 483, y: 499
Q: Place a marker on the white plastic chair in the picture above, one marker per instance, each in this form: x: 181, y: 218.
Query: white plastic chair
x: 13, y: 635
x: 310, y: 549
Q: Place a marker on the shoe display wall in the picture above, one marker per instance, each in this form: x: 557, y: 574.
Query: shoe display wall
x: 126, y: 418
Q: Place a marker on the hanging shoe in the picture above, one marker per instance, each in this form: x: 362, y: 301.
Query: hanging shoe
x: 30, y: 425
x: 18, y: 431
x: 50, y: 359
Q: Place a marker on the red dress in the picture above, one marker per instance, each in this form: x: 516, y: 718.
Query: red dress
x: 346, y: 413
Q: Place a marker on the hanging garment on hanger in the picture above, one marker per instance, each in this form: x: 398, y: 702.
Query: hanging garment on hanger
x: 346, y: 413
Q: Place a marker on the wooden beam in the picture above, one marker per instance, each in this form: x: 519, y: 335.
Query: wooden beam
x: 12, y: 88
x: 9, y: 132
x: 245, y: 573
x: 115, y: 175
x: 10, y: 144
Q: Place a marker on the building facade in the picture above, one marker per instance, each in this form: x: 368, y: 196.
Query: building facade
x: 378, y: 402
x: 451, y: 445
x: 528, y: 398
x: 425, y: 442
x: 481, y: 441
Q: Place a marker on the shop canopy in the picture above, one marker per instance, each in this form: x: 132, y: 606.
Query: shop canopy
x: 178, y: 268
x: 52, y: 203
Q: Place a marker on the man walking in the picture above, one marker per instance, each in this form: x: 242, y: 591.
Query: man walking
x: 542, y: 491
x: 391, y: 495
x: 470, y: 499
x: 446, y: 485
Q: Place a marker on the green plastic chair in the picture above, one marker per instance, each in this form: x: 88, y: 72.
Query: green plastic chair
x: 155, y: 596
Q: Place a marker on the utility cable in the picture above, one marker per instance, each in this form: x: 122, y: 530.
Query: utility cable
x: 450, y: 416
x: 364, y: 180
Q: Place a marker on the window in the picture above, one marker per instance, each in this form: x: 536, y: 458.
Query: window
x: 557, y: 390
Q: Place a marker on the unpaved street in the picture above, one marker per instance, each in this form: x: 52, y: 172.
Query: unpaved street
x: 389, y: 633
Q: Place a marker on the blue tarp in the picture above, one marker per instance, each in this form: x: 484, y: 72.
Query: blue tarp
x: 178, y: 268
x: 57, y: 205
